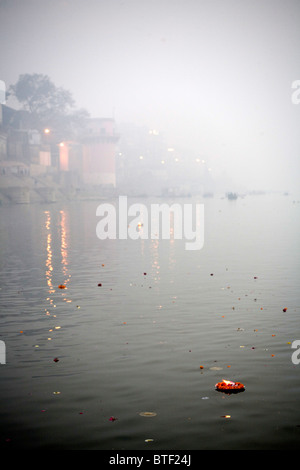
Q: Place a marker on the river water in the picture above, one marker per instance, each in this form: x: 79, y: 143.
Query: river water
x: 165, y: 325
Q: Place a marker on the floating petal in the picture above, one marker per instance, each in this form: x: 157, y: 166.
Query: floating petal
x: 148, y: 414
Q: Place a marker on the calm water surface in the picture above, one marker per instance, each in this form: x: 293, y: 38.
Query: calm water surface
x: 136, y: 343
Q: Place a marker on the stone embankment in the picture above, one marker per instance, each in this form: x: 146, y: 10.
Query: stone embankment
x: 25, y: 189
x: 22, y: 189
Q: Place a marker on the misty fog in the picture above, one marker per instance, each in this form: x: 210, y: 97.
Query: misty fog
x: 214, y: 78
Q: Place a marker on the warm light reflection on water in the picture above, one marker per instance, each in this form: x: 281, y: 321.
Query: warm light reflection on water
x: 56, y: 224
x: 64, y: 244
x: 49, y: 267
x: 144, y: 326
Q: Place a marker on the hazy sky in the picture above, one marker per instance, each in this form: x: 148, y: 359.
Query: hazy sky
x: 215, y: 76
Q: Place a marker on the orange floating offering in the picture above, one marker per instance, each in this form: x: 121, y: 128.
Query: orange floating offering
x: 61, y: 286
x: 230, y: 387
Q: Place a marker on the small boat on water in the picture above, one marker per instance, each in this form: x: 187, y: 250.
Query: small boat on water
x: 232, y: 196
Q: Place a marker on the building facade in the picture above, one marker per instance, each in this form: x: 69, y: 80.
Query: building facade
x: 99, y: 153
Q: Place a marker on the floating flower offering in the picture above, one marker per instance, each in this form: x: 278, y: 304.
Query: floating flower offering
x: 230, y: 387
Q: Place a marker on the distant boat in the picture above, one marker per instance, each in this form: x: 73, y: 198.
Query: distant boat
x: 232, y: 195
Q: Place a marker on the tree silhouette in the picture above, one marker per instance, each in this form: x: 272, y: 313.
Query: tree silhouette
x: 48, y: 106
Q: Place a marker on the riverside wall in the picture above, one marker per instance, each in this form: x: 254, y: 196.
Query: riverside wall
x: 26, y: 189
